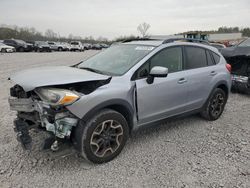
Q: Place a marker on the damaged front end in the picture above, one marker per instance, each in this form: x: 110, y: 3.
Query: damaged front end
x: 43, y: 108
x: 240, y: 73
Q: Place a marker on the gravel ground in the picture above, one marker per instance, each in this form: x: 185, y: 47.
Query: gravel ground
x: 188, y: 152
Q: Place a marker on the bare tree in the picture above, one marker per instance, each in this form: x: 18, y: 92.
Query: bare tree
x: 50, y: 33
x: 143, y: 28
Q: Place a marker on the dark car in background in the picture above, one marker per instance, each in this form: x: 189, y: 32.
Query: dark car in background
x: 19, y: 45
x: 240, y: 74
x: 238, y: 57
x: 41, y: 46
x: 242, y: 49
x: 96, y: 47
x: 103, y: 45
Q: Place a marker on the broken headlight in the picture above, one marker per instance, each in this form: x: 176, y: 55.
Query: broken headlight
x: 55, y: 96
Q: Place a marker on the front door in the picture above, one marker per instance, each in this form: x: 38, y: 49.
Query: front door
x: 166, y: 96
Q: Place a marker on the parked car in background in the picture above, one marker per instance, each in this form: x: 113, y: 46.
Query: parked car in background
x: 86, y: 46
x: 103, y: 45
x: 240, y: 74
x: 41, y: 46
x: 19, y: 45
x: 66, y: 46
x: 76, y: 46
x: 56, y: 46
x: 97, y: 103
x: 241, y: 49
x: 238, y: 57
x: 6, y: 48
x: 96, y: 47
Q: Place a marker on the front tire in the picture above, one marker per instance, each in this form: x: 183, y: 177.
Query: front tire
x: 21, y: 49
x: 215, y: 105
x: 3, y: 50
x: 103, y: 137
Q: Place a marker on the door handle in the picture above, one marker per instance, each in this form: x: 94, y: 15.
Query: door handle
x: 212, y: 73
x: 182, y: 81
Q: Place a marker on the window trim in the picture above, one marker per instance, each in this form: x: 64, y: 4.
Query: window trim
x: 214, y: 59
x: 211, y: 56
x: 133, y: 77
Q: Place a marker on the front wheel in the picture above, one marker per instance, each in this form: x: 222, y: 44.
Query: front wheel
x: 214, y: 107
x: 103, y: 137
x: 21, y: 49
x: 3, y: 50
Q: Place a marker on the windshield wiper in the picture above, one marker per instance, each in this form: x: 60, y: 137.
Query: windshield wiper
x: 92, y: 70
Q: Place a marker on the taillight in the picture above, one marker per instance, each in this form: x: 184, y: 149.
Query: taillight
x: 229, y: 67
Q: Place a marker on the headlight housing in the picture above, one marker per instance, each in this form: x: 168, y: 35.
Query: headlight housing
x: 55, y: 96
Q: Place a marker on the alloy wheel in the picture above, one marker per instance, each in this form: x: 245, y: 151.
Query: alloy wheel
x: 106, y: 138
x: 217, y: 104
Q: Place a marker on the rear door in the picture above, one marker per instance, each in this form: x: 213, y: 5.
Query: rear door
x: 165, y: 96
x: 200, y: 70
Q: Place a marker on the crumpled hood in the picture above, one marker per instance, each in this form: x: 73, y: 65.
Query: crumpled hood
x: 54, y: 75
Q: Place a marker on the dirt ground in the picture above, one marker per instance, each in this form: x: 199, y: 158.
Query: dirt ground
x: 189, y: 152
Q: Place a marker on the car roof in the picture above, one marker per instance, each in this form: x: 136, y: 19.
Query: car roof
x: 171, y: 42
x: 146, y: 42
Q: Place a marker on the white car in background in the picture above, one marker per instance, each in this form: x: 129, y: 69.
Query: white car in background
x: 6, y: 48
x: 76, y: 46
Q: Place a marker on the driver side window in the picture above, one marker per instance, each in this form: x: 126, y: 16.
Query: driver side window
x: 170, y: 58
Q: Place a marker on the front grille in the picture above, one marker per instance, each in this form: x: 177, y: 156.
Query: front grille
x: 18, y: 91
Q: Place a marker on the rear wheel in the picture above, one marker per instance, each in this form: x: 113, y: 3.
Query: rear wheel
x: 214, y: 107
x: 60, y: 49
x: 103, y: 137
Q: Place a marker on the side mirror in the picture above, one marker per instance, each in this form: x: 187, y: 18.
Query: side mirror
x: 157, y: 71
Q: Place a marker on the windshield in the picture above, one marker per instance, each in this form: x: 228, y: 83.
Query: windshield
x: 117, y: 59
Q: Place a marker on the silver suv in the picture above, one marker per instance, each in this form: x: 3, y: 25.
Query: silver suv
x: 97, y: 103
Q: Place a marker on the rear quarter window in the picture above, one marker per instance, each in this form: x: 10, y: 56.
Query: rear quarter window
x: 216, y: 57
x: 210, y: 60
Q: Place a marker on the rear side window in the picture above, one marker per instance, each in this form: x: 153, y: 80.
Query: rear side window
x: 216, y: 57
x: 209, y: 59
x: 195, y: 57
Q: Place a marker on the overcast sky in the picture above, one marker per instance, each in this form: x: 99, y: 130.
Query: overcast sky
x: 113, y: 18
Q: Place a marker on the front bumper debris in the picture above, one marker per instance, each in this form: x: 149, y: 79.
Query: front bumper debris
x: 22, y: 130
x: 38, y: 114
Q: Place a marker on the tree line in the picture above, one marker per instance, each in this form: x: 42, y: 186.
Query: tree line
x: 31, y: 34
x: 245, y: 31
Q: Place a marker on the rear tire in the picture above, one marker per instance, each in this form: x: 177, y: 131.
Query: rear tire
x: 102, y: 137
x: 214, y: 107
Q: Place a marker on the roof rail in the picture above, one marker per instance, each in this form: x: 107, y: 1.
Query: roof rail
x: 137, y: 39
x: 185, y: 40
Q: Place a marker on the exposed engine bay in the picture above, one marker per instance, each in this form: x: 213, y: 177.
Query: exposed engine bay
x: 34, y: 111
x: 240, y: 73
